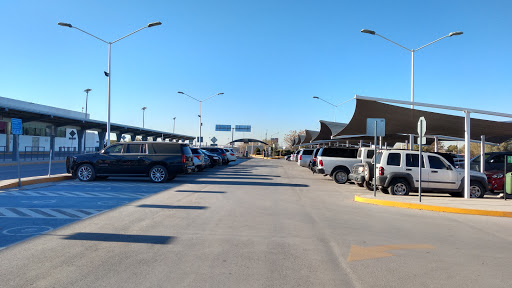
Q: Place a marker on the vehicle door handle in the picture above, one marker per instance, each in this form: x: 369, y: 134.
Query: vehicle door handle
x: 408, y: 169
x: 434, y: 171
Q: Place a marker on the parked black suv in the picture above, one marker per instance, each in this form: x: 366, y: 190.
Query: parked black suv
x: 219, y: 152
x: 161, y: 161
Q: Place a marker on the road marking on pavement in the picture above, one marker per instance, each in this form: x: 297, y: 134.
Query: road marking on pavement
x: 27, y: 230
x: 75, y: 194
x: 364, y: 253
x: 61, y: 213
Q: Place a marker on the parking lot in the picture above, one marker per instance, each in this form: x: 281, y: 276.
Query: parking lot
x: 254, y: 223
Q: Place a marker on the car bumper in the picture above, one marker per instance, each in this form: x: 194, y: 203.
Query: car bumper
x: 320, y: 170
x: 356, y: 178
x: 381, y: 180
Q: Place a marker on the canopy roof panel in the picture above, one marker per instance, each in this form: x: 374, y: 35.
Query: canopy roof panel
x: 401, y: 120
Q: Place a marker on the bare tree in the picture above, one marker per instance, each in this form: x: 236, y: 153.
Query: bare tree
x: 288, y: 138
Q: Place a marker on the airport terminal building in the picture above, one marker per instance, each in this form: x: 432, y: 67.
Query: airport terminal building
x: 46, y: 128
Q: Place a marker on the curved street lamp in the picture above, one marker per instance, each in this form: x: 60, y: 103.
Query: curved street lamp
x: 200, y: 118
x: 371, y: 32
x: 108, y: 74
x: 335, y: 106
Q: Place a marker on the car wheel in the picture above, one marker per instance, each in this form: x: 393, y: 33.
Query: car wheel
x: 367, y: 172
x: 340, y: 176
x: 456, y: 194
x: 399, y: 187
x: 384, y: 190
x: 368, y: 185
x: 476, y: 190
x: 158, y: 174
x: 360, y: 184
x: 85, y: 172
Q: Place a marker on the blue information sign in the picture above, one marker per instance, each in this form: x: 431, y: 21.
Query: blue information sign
x: 222, y: 127
x: 16, y: 126
x: 243, y: 128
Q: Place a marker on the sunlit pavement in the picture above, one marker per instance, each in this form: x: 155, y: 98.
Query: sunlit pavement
x: 262, y: 223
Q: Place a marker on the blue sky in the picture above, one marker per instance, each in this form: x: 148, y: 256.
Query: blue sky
x: 268, y: 57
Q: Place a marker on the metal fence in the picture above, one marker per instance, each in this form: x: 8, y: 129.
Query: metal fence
x: 35, y: 152
x: 3, y: 150
x: 30, y: 153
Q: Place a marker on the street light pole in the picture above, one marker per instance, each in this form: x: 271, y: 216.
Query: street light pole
x: 174, y: 124
x: 371, y: 32
x: 200, y: 118
x: 143, y: 110
x: 335, y: 106
x: 85, y: 132
x: 108, y: 74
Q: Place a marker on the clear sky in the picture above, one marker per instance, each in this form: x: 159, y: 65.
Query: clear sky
x: 269, y: 57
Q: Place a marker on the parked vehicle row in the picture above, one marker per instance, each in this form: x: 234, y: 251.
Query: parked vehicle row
x: 160, y: 161
x: 397, y: 170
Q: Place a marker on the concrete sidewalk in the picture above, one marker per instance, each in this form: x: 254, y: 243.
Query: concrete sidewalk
x: 490, y: 205
x: 13, y: 183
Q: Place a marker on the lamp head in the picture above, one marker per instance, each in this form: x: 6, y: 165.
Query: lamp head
x: 455, y: 33
x: 87, y: 90
x: 220, y: 93
x: 144, y: 108
x: 316, y: 97
x: 367, y: 31
x: 180, y: 92
x: 154, y: 24
x: 65, y: 24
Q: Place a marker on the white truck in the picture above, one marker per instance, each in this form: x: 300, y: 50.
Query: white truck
x: 337, y: 162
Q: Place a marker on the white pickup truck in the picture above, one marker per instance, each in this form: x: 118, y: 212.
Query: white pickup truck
x: 337, y: 162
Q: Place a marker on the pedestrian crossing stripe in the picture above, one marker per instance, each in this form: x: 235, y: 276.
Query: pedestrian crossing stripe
x: 56, y: 213
x: 75, y: 194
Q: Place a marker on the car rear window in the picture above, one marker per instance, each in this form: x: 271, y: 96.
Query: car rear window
x: 195, y: 151
x: 316, y: 152
x: 307, y: 152
x: 187, y: 151
x: 393, y: 159
x: 135, y: 148
x: 411, y: 160
x: 339, y: 152
x: 164, y: 148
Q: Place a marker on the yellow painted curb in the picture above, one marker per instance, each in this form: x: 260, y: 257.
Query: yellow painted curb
x: 432, y: 207
x: 28, y: 181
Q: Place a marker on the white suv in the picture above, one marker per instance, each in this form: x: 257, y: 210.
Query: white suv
x: 305, y: 156
x: 231, y: 154
x: 398, y: 174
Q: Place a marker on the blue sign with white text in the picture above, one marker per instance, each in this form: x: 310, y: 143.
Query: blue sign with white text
x: 16, y: 126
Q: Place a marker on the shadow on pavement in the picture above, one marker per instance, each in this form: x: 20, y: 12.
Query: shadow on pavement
x: 173, y: 207
x: 195, y: 191
x: 246, y: 183
x: 126, y: 238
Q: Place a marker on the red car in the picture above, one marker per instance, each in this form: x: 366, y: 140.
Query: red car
x: 495, y: 180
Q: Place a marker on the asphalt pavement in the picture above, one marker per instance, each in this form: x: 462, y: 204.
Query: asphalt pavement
x: 261, y: 223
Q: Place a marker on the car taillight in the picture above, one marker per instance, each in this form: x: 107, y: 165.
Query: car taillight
x: 223, y: 154
x: 198, y: 157
x: 183, y: 159
x: 381, y: 171
x: 232, y: 154
x: 300, y: 157
x: 321, y: 163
